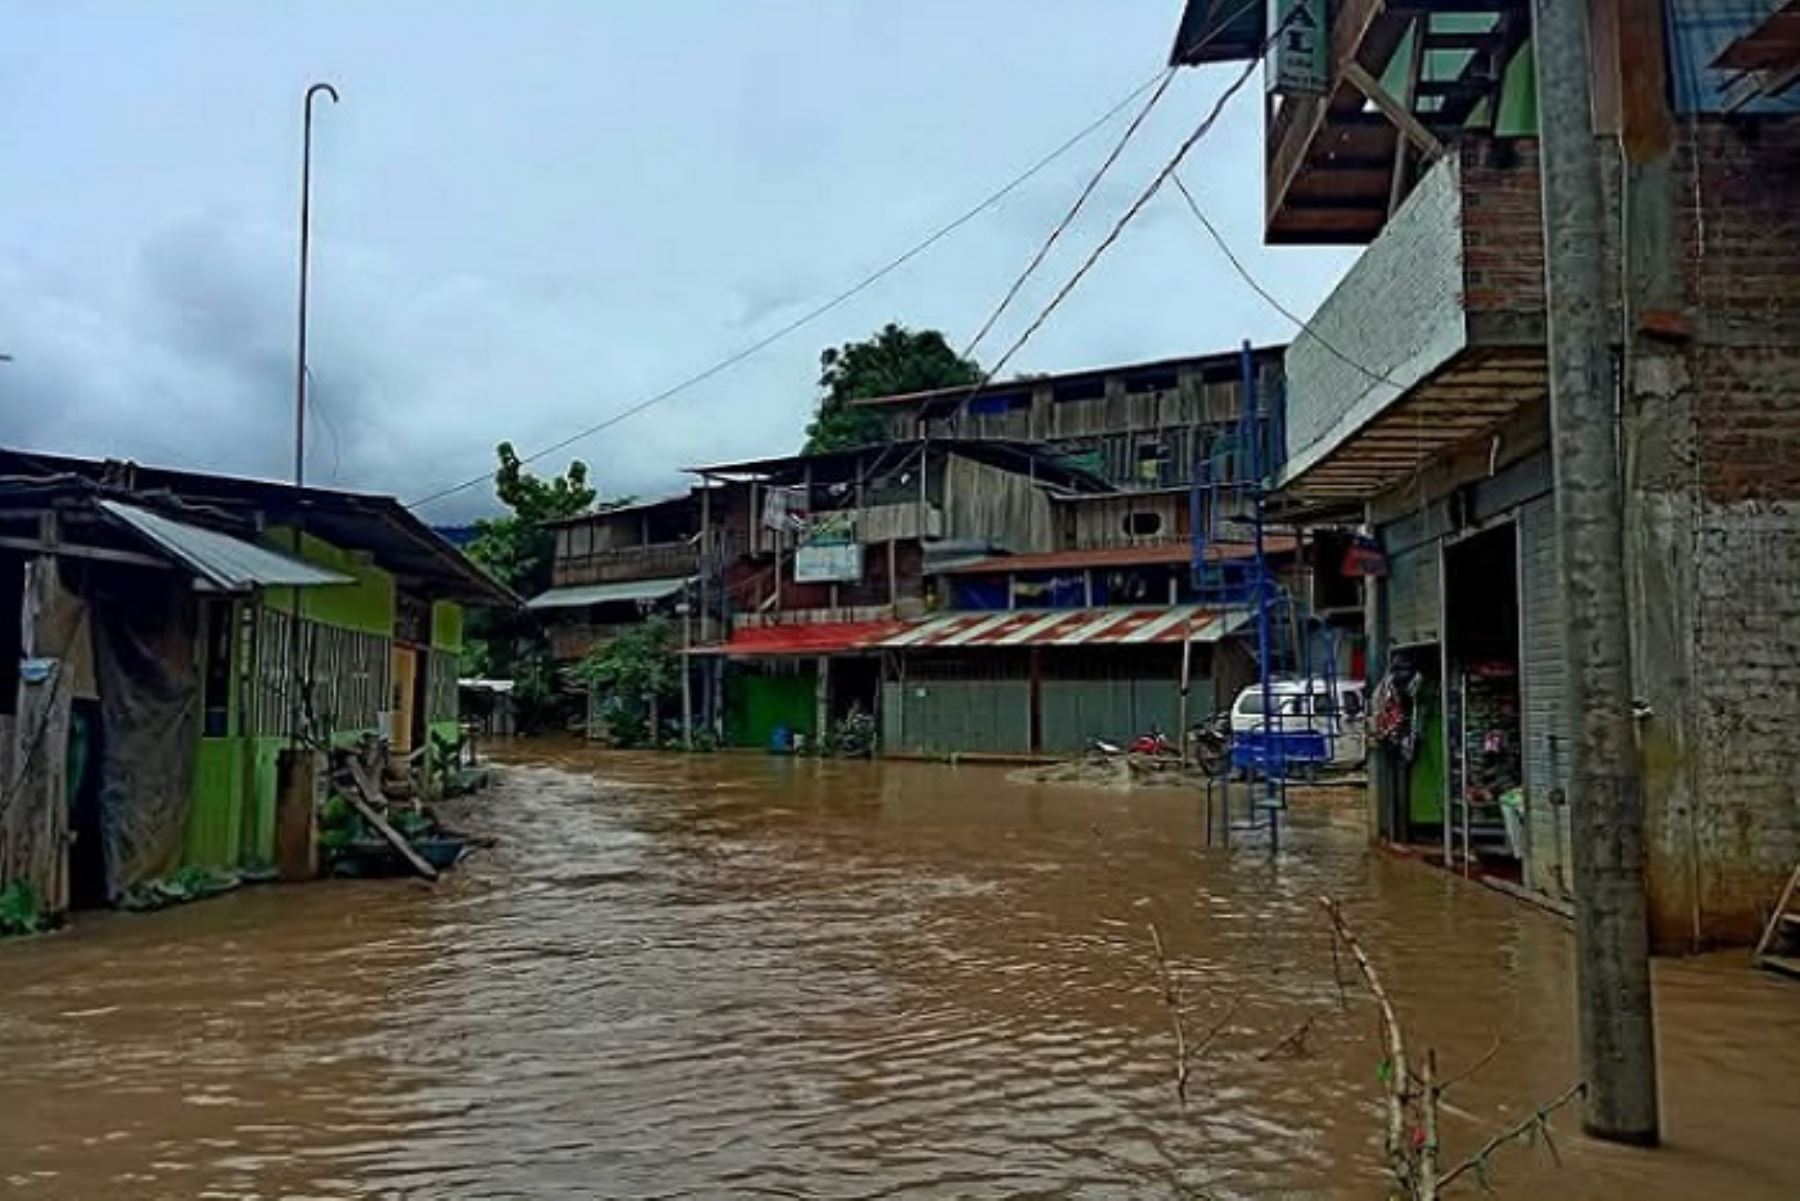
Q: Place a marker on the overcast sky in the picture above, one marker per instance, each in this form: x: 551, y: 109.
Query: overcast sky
x: 530, y: 215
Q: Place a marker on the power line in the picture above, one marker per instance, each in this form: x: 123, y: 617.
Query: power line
x: 813, y: 314
x: 1305, y: 327
x: 1062, y: 226
x: 1069, y: 217
x: 1137, y: 206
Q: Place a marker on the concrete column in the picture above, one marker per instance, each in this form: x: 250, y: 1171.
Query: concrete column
x: 1612, y: 951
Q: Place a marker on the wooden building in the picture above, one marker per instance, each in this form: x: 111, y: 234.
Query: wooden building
x: 164, y: 634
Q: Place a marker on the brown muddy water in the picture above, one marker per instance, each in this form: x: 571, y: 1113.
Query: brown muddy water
x: 739, y: 977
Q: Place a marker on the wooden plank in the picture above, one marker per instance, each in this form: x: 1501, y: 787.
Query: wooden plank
x: 362, y: 799
x: 1408, y: 125
x: 1788, y: 965
x: 73, y: 550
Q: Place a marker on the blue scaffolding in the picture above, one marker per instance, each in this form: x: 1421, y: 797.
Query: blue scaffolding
x: 1233, y: 473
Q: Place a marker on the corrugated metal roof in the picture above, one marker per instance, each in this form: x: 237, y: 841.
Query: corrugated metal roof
x: 804, y: 638
x: 583, y: 595
x: 222, y: 562
x: 1068, y: 627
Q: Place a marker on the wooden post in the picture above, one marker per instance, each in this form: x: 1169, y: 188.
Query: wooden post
x: 362, y: 797
x: 1035, y: 730
x: 299, y: 779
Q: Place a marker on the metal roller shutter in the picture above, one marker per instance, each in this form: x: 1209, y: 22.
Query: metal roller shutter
x: 1544, y: 696
x: 1412, y: 584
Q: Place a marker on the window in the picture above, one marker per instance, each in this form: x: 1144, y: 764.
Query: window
x: 999, y: 402
x: 1143, y: 524
x: 215, y: 692
x: 1081, y: 389
x: 1140, y: 382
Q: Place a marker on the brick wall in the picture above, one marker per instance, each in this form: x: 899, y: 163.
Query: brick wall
x: 1502, y: 226
x: 1738, y: 189
x: 1746, y: 711
x: 1739, y: 214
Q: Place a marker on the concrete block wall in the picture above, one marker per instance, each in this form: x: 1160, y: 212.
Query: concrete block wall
x: 1398, y: 311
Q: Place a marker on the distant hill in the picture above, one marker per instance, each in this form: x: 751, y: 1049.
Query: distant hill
x: 458, y: 536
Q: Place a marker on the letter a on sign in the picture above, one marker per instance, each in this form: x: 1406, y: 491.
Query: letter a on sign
x: 1297, y: 51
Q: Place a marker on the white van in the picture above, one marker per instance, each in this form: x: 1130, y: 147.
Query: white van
x: 1308, y: 706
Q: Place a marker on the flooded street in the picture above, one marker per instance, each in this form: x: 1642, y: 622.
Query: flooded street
x: 734, y: 976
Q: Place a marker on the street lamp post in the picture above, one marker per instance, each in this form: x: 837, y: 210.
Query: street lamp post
x: 294, y: 675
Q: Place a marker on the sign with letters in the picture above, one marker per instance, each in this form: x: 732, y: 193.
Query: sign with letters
x: 1299, y: 54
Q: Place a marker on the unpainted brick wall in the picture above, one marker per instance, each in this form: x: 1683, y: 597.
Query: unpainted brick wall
x: 1739, y: 210
x: 1746, y: 711
x: 1503, y: 225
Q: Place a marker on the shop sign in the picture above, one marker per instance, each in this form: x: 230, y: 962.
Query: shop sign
x: 1298, y: 61
x: 827, y: 563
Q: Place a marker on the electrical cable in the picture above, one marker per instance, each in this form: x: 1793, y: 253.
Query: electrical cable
x: 1304, y: 326
x: 1160, y: 82
x: 1093, y: 182
x: 816, y: 312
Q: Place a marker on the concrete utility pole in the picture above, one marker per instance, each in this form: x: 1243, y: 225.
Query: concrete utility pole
x: 1612, y: 945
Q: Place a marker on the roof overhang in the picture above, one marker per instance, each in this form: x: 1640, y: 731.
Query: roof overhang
x: 803, y: 638
x: 582, y: 596
x: 398, y: 541
x: 1385, y: 439
x: 1219, y: 31
x: 218, y: 562
x: 1116, y: 627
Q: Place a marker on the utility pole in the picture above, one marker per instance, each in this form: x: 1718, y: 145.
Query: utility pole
x: 297, y: 698
x: 1612, y: 945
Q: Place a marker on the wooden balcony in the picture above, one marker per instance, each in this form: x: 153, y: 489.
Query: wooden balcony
x: 663, y: 560
x: 871, y: 525
x: 1410, y: 79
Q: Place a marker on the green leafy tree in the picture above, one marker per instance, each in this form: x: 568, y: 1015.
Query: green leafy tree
x: 632, y: 676
x: 518, y: 550
x: 893, y: 361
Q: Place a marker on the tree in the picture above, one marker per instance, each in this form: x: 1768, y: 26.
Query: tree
x: 516, y: 549
x: 631, y: 676
x: 519, y: 551
x: 893, y: 361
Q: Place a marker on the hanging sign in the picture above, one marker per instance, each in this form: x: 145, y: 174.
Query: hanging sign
x: 829, y: 562
x: 1363, y: 557
x: 1298, y: 56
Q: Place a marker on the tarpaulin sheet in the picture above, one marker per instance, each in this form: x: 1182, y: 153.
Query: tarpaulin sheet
x: 144, y: 638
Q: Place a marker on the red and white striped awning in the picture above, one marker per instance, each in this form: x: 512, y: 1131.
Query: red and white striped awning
x: 1068, y: 627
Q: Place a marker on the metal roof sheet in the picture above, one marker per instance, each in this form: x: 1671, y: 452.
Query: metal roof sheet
x: 582, y: 595
x: 1125, y: 626
x: 222, y: 562
x: 804, y: 638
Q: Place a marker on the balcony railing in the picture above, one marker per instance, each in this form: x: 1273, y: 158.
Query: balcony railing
x: 871, y: 524
x: 662, y: 560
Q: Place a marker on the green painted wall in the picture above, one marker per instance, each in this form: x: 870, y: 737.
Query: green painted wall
x: 756, y: 704
x: 447, y: 625
x: 945, y: 716
x: 1518, y: 96
x: 367, y: 605
x: 214, y: 833
x: 231, y: 815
